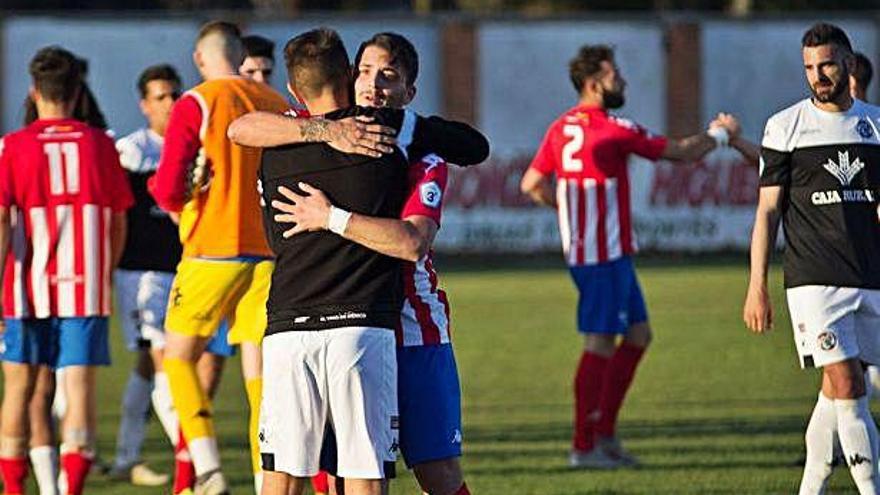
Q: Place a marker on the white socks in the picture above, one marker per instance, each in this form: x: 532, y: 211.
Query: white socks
x: 205, y: 454
x: 821, y: 436
x: 135, y: 407
x: 44, y: 460
x: 164, y: 406
x: 858, y: 440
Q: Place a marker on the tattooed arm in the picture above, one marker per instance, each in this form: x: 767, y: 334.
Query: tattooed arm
x: 350, y: 135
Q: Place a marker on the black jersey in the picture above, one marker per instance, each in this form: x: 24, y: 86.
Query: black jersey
x: 829, y: 167
x: 153, y: 242
x: 322, y: 280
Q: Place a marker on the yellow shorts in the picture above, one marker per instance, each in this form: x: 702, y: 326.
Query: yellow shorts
x: 205, y: 292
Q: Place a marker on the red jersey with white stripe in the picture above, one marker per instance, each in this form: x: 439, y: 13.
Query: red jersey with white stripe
x: 61, y: 181
x: 588, y: 151
x: 424, y: 319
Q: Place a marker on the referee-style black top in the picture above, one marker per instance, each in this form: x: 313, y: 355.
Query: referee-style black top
x: 322, y: 280
x: 153, y: 242
x: 828, y: 165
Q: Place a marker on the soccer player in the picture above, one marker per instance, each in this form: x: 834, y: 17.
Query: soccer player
x: 819, y: 176
x: 63, y: 196
x: 143, y: 280
x: 259, y: 60
x: 429, y: 396
x: 333, y: 301
x: 226, y: 264
x: 587, y: 149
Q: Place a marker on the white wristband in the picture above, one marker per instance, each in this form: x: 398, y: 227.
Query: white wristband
x: 338, y: 219
x: 720, y: 135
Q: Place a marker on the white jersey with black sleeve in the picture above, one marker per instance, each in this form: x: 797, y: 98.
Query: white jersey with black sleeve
x: 828, y: 164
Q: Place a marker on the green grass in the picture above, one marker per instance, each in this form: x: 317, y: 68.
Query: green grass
x: 713, y: 409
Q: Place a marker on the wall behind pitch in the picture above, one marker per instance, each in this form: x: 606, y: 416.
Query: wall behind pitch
x: 523, y: 85
x: 119, y: 48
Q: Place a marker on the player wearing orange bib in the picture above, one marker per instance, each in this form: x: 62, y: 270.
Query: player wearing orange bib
x: 226, y: 267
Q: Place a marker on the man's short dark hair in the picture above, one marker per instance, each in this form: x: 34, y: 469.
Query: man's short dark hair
x: 161, y: 72
x: 257, y: 46
x: 403, y: 53
x: 231, y: 35
x: 823, y: 33
x: 317, y: 59
x: 863, y: 72
x: 56, y: 74
x: 588, y: 63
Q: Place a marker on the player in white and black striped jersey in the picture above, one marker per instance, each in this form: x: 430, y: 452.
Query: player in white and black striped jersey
x: 820, y: 174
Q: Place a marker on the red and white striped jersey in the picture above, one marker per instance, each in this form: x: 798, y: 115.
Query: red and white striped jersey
x: 424, y: 319
x: 61, y: 181
x: 588, y: 151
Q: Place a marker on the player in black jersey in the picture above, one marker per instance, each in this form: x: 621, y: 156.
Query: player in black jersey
x: 345, y: 374
x: 820, y: 174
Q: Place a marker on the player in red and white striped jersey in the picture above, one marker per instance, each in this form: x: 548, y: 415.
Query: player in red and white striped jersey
x: 587, y: 149
x: 63, y: 196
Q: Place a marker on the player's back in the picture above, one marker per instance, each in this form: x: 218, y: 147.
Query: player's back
x: 62, y: 181
x: 322, y: 280
x: 588, y: 150
x: 225, y: 220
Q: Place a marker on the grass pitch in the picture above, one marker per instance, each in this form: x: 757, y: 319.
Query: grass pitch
x: 714, y: 410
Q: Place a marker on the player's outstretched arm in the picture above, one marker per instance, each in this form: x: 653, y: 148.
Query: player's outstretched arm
x: 758, y: 311
x: 407, y: 239
x: 536, y: 186
x: 350, y: 135
x: 749, y: 150
x: 689, y: 149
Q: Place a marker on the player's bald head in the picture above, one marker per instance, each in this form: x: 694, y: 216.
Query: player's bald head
x: 220, y: 41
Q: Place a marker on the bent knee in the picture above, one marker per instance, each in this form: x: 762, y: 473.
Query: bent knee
x: 639, y: 335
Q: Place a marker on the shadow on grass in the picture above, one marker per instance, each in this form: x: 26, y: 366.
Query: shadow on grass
x: 681, y: 445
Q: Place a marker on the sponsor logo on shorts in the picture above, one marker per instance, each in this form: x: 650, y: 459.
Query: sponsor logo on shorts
x: 394, y: 447
x: 301, y: 319
x: 802, y: 328
x: 827, y: 340
x: 456, y: 436
x: 855, y: 460
x: 262, y: 435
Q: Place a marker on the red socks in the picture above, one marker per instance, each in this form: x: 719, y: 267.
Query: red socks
x: 76, y: 465
x: 463, y: 490
x: 587, y: 395
x: 618, y: 377
x: 14, y: 470
x: 184, y: 470
x: 320, y: 483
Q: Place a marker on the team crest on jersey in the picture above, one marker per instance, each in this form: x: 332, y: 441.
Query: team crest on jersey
x: 430, y: 194
x: 844, y: 170
x: 827, y: 341
x: 864, y: 128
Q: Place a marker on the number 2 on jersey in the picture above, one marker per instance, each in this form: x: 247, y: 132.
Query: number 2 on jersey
x: 569, y: 162
x: 63, y: 167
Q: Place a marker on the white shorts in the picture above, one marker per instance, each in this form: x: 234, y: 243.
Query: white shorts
x: 345, y: 378
x: 833, y: 324
x: 141, y: 298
